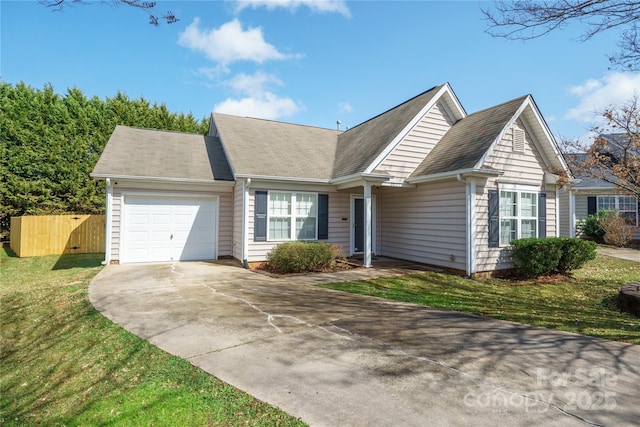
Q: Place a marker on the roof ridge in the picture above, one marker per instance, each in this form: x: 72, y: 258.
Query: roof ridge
x: 501, y: 104
x: 160, y: 130
x: 278, y: 122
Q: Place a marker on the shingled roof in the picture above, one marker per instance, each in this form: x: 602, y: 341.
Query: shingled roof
x: 468, y: 140
x: 251, y: 147
x: 258, y: 147
x: 359, y: 146
x: 149, y: 153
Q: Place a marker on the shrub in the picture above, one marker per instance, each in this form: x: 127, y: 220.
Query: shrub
x: 300, y: 257
x: 616, y: 230
x: 591, y: 227
x: 538, y: 257
x: 575, y: 254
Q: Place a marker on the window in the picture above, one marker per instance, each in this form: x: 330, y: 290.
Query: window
x: 292, y: 212
x: 627, y: 207
x: 518, y: 215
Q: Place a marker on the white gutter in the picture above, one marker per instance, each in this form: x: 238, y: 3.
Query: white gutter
x: 361, y: 175
x: 164, y: 179
x: 464, y: 173
x: 109, y: 224
x: 284, y: 178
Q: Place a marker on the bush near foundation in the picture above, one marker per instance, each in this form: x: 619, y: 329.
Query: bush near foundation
x: 591, y: 227
x: 616, y: 230
x: 541, y: 257
x: 302, y: 257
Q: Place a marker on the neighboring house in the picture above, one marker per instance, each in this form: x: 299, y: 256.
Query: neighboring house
x: 587, y: 195
x: 422, y: 181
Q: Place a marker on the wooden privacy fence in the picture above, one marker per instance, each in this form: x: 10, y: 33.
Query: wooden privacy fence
x: 57, y: 234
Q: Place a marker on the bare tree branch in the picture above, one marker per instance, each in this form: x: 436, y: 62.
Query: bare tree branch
x: 147, y: 6
x: 614, y: 155
x: 530, y: 19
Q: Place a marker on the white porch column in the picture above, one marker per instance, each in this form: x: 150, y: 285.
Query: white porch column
x: 245, y: 222
x: 367, y: 225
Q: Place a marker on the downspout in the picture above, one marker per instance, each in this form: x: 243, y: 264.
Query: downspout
x: 108, y: 225
x: 245, y: 222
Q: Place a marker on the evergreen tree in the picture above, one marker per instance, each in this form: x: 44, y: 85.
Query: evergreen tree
x: 50, y: 143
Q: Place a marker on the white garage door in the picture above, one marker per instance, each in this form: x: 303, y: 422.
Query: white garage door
x: 169, y: 229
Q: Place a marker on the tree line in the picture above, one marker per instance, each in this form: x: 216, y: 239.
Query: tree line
x: 50, y: 143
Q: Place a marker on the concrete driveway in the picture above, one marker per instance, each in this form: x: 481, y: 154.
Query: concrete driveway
x: 336, y: 359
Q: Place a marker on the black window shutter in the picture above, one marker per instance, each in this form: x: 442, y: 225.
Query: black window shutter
x: 542, y: 214
x: 494, y: 219
x: 323, y: 216
x: 592, y: 205
x: 260, y: 217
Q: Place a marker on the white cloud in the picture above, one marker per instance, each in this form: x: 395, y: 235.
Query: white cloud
x: 230, y: 43
x: 345, y: 107
x: 598, y: 94
x: 212, y: 72
x: 266, y: 106
x: 253, y: 85
x: 318, y: 6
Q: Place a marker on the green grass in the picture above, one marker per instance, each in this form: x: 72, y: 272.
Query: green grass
x: 583, y: 304
x: 63, y: 363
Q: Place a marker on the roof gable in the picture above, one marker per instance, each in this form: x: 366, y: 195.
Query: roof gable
x: 363, y: 147
x: 472, y: 140
x: 138, y: 153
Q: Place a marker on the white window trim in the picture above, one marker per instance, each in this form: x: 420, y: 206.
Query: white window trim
x: 518, y: 189
x: 617, y: 203
x: 292, y: 216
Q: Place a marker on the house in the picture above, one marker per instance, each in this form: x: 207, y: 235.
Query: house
x: 587, y: 195
x: 423, y: 181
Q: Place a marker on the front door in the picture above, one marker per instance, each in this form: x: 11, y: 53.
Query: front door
x: 357, y: 225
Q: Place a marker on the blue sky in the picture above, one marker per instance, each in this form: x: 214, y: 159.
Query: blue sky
x: 309, y: 62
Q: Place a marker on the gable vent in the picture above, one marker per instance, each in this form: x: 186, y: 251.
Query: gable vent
x: 518, y: 140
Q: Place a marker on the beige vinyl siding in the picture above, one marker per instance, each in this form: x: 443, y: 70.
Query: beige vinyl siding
x: 552, y: 208
x: 225, y: 210
x: 425, y: 224
x: 414, y: 147
x: 237, y: 219
x: 565, y: 220
x: 339, y: 230
x: 582, y: 207
x: 524, y: 168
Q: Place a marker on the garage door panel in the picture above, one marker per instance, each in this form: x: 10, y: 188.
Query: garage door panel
x: 169, y: 228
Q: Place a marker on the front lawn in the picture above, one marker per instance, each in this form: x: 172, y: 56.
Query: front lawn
x: 584, y: 304
x: 63, y: 363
